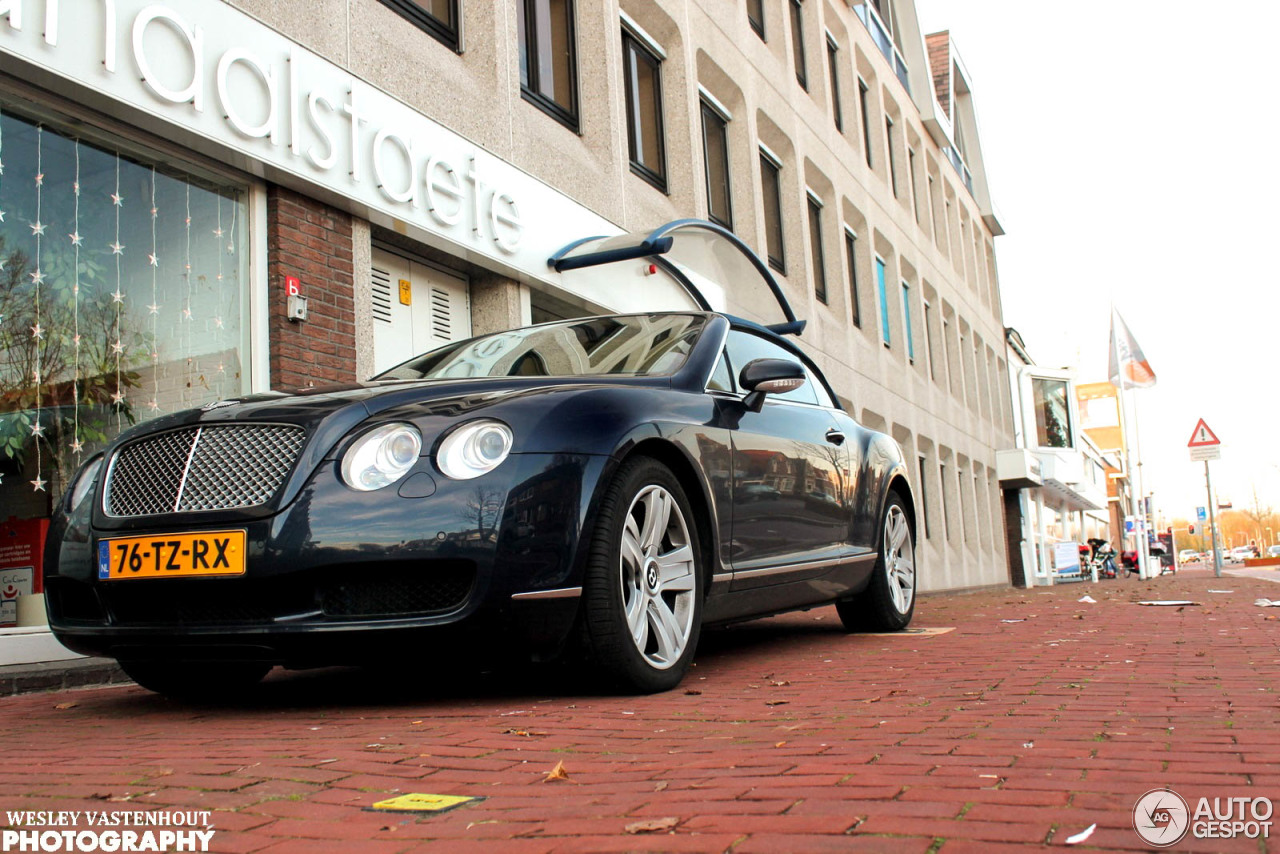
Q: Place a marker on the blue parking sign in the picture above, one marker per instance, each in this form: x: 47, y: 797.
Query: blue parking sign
x: 1200, y: 514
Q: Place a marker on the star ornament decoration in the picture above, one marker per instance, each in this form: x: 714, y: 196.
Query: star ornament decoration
x: 152, y: 259
x: 40, y: 180
x: 117, y: 398
x: 37, y: 429
x: 117, y: 200
x: 117, y: 248
x: 76, y: 239
x: 37, y: 277
x: 117, y: 347
x: 37, y: 332
x: 117, y: 295
x: 37, y: 228
x: 77, y: 447
x: 39, y: 483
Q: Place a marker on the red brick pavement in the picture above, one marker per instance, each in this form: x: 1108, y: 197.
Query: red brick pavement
x: 788, y: 736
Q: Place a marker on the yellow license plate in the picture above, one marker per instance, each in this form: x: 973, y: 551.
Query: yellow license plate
x: 168, y: 555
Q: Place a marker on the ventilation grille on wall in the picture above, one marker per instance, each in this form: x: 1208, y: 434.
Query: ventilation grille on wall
x: 381, y: 295
x: 441, y: 322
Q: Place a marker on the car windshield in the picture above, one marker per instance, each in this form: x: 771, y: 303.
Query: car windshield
x: 629, y: 346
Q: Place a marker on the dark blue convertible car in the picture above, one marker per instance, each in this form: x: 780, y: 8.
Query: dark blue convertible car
x: 598, y: 487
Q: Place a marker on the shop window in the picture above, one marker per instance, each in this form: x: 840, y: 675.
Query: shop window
x: 851, y: 257
x: 815, y: 250
x: 771, y: 185
x: 1053, y: 416
x: 755, y: 16
x: 548, y: 58
x: 124, y: 298
x: 642, y: 72
x: 715, y: 153
x: 883, y: 295
x: 797, y: 44
x: 437, y: 17
x: 833, y: 69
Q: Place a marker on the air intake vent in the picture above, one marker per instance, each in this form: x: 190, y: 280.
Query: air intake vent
x: 381, y: 295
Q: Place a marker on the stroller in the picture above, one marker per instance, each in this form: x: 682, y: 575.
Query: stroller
x: 1102, y: 557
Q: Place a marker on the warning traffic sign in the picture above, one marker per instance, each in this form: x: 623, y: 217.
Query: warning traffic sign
x: 1202, y: 436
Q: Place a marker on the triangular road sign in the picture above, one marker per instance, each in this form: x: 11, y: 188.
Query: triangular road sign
x: 1202, y: 436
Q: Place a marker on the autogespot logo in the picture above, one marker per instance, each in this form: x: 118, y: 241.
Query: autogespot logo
x: 1161, y: 817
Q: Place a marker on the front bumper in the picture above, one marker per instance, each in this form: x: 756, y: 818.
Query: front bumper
x: 339, y: 576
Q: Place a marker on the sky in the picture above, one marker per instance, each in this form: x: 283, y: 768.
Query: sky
x: 1128, y: 152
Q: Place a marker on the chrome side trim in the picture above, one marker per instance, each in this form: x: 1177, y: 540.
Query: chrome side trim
x: 799, y: 567
x: 559, y: 593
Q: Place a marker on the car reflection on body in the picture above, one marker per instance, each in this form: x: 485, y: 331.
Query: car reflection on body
x: 596, y: 488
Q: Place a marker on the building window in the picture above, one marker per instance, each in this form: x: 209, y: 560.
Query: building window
x: 946, y: 505
x: 755, y: 16
x: 642, y: 71
x: 928, y: 339
x: 815, y: 250
x: 911, y: 184
x: 882, y: 293
x: 771, y: 185
x: 437, y: 17
x: 888, y: 147
x: 797, y: 44
x: 851, y: 255
x: 715, y: 153
x: 1053, y: 416
x: 125, y: 298
x: 906, y: 323
x: 548, y: 58
x: 924, y: 493
x: 833, y: 68
x: 866, y: 121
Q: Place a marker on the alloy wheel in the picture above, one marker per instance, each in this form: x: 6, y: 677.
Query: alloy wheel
x: 658, y: 577
x: 899, y: 559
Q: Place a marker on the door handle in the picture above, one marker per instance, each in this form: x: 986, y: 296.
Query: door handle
x: 835, y: 437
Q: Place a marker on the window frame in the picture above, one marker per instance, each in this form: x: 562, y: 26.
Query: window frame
x: 770, y: 162
x: 906, y: 322
x: 892, y: 161
x: 851, y: 256
x: 882, y: 293
x: 635, y: 49
x: 863, y: 92
x: 570, y: 118
x: 833, y: 69
x: 757, y: 24
x: 816, y: 254
x: 707, y: 108
x: 921, y: 462
x: 798, y: 57
x: 448, y: 35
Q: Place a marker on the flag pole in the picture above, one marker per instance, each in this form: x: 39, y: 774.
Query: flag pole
x: 1144, y: 542
x: 1124, y: 432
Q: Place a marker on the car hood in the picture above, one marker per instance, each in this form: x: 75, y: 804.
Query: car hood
x: 329, y: 413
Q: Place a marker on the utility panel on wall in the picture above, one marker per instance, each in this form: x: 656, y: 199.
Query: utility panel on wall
x: 416, y: 307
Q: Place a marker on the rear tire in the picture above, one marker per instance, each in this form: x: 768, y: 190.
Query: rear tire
x: 643, y: 592
x: 197, y: 681
x: 889, y: 601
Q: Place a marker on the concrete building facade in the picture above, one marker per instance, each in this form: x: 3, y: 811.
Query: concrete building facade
x: 181, y: 175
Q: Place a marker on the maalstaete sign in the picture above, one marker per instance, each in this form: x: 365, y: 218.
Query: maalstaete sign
x: 214, y: 71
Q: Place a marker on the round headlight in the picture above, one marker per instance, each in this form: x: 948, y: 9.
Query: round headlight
x: 381, y: 456
x: 85, y: 480
x: 474, y: 449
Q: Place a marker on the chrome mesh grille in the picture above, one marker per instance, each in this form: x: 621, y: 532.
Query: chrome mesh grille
x: 221, y: 467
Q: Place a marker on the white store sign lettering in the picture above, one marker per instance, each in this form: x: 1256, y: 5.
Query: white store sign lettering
x: 252, y: 96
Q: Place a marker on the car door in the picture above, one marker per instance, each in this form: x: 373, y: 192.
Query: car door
x: 790, y: 478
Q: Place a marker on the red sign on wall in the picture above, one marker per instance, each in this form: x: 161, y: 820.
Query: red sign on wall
x: 21, y: 559
x: 292, y: 287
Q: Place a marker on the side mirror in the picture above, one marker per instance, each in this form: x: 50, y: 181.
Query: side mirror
x: 769, y: 376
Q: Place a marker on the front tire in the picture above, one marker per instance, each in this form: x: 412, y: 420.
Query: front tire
x: 644, y: 581
x: 889, y: 601
x: 196, y: 681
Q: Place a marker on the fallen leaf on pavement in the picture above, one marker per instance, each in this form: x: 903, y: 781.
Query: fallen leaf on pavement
x: 661, y: 787
x: 64, y: 706
x: 692, y: 692
x: 652, y: 825
x: 777, y: 703
x: 557, y: 773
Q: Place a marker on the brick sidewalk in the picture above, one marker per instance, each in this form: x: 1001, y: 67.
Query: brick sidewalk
x: 789, y: 736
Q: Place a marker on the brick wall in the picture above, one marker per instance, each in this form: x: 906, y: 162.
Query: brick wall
x: 312, y: 241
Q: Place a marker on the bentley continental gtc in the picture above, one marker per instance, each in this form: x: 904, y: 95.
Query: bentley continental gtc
x: 597, y: 488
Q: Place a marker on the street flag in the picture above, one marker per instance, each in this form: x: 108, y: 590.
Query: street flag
x: 1129, y: 368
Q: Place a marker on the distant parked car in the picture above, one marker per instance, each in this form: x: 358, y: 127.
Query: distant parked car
x: 1188, y: 555
x: 1273, y: 551
x: 1239, y: 553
